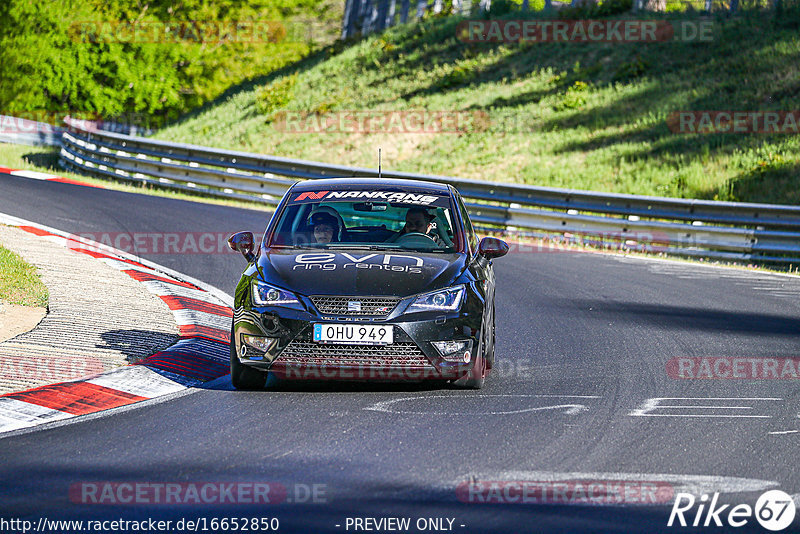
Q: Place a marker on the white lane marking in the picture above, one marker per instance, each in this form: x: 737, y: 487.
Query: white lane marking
x: 554, y: 396
x: 777, y: 290
x: 695, y: 484
x: 55, y: 239
x: 688, y: 266
x: 9, y: 425
x: 19, y: 414
x: 193, y: 317
x: 164, y: 288
x: 137, y: 380
x: 654, y: 403
x: 125, y: 266
x: 197, y: 343
x: 388, y: 406
x: 97, y: 415
x: 33, y: 174
x: 777, y: 433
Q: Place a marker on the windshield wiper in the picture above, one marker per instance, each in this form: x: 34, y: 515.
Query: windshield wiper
x: 363, y: 247
x: 422, y: 249
x: 304, y: 247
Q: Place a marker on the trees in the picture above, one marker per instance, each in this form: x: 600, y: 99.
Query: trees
x: 118, y: 57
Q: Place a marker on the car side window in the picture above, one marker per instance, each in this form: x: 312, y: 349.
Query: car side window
x: 472, y: 239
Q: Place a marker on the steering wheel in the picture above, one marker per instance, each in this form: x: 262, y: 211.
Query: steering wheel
x: 415, y: 239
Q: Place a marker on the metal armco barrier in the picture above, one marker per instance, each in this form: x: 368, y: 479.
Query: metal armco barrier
x: 725, y: 230
x: 28, y: 132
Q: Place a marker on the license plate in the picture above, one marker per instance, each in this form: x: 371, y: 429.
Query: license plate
x: 356, y: 334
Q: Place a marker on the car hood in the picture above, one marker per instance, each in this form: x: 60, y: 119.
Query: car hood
x: 359, y: 272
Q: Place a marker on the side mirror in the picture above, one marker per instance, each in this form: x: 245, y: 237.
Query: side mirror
x: 491, y: 247
x: 243, y: 242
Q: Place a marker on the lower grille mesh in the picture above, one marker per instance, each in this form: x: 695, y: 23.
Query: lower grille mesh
x: 400, y: 355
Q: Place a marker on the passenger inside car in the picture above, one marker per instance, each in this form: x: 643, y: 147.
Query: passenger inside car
x: 325, y: 227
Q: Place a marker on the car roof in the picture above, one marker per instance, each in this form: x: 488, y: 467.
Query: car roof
x: 375, y: 183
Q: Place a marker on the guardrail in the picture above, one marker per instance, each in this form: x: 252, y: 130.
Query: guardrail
x: 724, y: 230
x: 372, y: 16
x: 28, y: 132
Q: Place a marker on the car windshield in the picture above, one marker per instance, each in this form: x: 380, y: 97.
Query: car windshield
x: 368, y: 219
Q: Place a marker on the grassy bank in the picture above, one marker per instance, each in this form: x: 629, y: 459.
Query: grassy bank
x: 19, y: 281
x: 587, y: 116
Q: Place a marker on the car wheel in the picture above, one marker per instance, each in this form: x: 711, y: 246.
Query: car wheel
x: 242, y: 376
x: 477, y: 377
x: 490, y: 345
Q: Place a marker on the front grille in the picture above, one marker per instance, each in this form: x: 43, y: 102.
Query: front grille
x: 368, y: 306
x: 397, y: 355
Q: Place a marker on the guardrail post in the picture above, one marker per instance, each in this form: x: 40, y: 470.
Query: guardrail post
x: 422, y: 5
x: 347, y: 20
x: 390, y: 16
x: 381, y: 10
x: 406, y: 5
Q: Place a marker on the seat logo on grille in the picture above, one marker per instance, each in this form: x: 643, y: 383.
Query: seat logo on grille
x: 354, y: 305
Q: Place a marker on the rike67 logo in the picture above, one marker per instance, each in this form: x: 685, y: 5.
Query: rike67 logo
x: 774, y: 510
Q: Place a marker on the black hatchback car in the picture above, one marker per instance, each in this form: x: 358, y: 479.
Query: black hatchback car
x: 369, y: 280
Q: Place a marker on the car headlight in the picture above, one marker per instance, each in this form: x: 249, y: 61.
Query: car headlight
x: 268, y: 295
x: 449, y: 299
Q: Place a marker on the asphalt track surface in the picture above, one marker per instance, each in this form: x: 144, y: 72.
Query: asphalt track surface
x: 583, y: 342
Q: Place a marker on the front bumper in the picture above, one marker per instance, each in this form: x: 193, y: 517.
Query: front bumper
x: 411, y: 356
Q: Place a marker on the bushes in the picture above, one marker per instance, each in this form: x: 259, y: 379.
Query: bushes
x: 574, y: 97
x: 275, y: 95
x: 58, y: 56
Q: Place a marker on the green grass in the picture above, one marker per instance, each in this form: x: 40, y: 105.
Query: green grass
x: 45, y: 159
x: 586, y: 116
x: 19, y: 282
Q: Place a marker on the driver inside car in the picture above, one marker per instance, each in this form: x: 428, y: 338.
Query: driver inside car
x: 419, y: 220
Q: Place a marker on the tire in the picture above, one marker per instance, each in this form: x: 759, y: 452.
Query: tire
x: 242, y: 376
x: 490, y: 346
x: 477, y: 377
